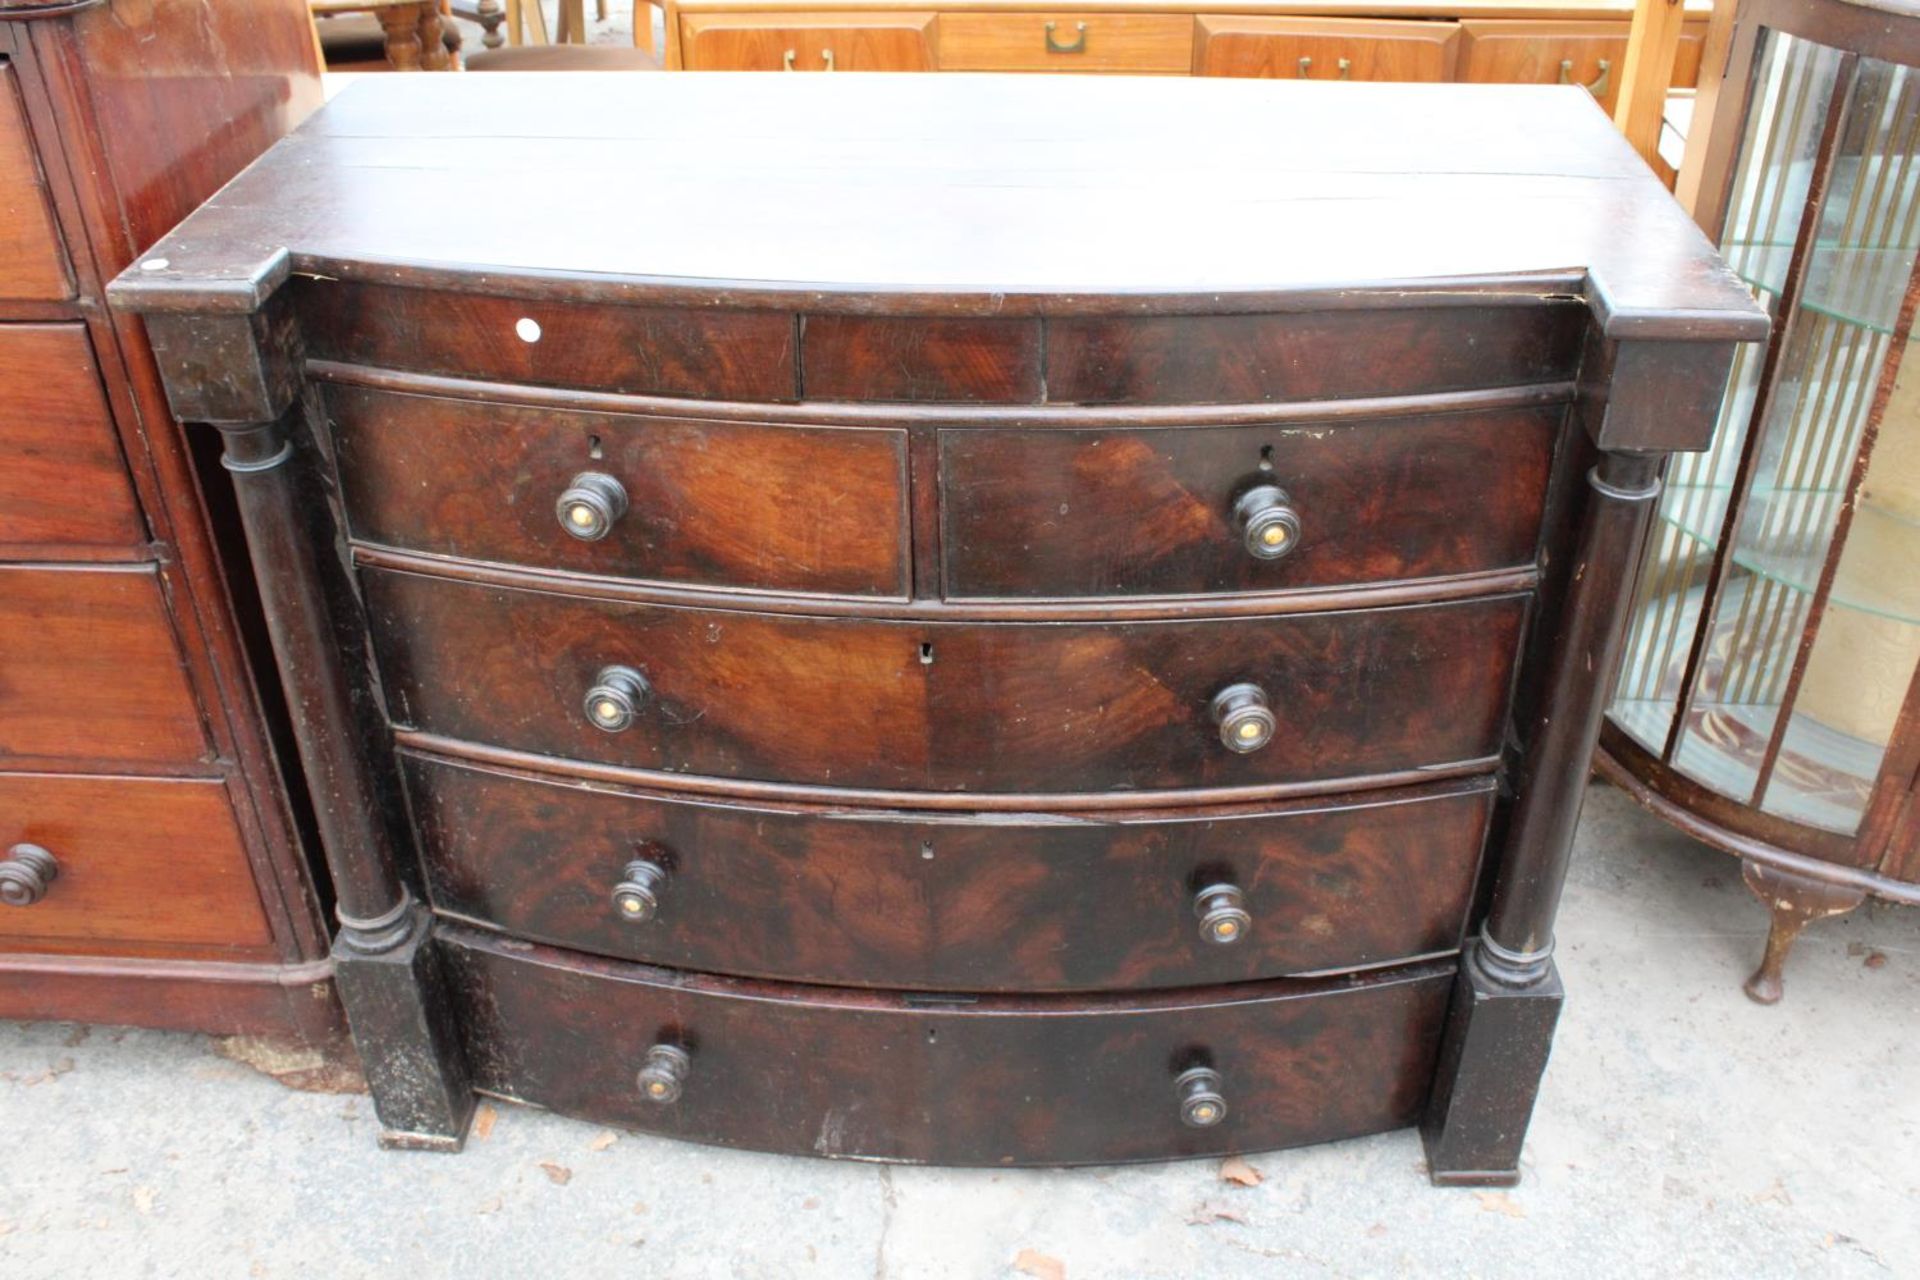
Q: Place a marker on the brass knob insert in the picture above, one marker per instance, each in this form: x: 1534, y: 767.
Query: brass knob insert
x: 1268, y: 524
x: 664, y: 1074
x: 637, y: 896
x: 590, y: 505
x: 1223, y: 913
x: 1202, y: 1105
x: 617, y: 695
x: 25, y: 875
x: 1245, y: 719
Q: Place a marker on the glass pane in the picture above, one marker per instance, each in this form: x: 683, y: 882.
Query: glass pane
x: 1794, y: 84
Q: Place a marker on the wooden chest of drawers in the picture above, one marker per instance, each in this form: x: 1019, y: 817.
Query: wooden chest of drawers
x: 152, y: 869
x: 998, y: 663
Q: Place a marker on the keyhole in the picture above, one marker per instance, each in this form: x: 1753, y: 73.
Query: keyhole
x: 926, y: 655
x: 593, y: 448
x: 1266, y: 457
x: 926, y: 850
x: 932, y: 1035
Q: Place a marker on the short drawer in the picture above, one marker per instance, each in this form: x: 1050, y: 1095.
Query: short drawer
x: 1295, y: 48
x: 950, y: 1080
x: 119, y: 864
x: 946, y: 707
x: 1593, y: 54
x: 798, y: 509
x: 807, y: 41
x: 973, y: 903
x: 1132, y: 42
x: 1177, y: 510
x: 90, y: 669
x: 62, y: 479
x: 33, y: 264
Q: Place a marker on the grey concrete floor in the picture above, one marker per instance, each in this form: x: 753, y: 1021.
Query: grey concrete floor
x: 1682, y: 1131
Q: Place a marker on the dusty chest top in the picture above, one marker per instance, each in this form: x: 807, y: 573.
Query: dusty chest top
x: 955, y: 194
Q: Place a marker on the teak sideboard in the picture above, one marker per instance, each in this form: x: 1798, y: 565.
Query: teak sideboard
x: 1478, y: 41
x: 152, y: 869
x: 939, y: 654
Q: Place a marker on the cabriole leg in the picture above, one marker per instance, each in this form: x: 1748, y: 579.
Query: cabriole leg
x: 1795, y: 901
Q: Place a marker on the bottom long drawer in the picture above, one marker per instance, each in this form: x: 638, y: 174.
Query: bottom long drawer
x: 946, y: 1080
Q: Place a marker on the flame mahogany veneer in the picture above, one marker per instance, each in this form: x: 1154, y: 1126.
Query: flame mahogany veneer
x: 935, y: 653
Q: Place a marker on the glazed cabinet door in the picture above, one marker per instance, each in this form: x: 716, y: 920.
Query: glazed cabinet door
x: 807, y: 42
x: 1584, y: 53
x: 1324, y: 48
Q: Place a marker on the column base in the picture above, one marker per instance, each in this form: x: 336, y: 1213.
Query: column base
x: 1493, y: 1052
x: 403, y: 1028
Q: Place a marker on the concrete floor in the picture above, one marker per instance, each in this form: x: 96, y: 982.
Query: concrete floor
x: 1682, y: 1131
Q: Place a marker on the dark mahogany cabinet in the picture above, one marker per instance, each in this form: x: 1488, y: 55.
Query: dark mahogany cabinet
x: 152, y: 867
x: 936, y: 655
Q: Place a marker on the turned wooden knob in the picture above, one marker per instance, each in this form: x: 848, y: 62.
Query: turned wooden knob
x: 1246, y: 721
x: 637, y: 896
x: 1201, y: 1103
x: 664, y: 1073
x: 25, y: 874
x: 590, y: 505
x: 617, y: 695
x: 1269, y: 526
x: 1223, y: 913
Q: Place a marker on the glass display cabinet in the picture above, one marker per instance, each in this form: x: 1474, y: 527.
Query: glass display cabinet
x: 1768, y: 702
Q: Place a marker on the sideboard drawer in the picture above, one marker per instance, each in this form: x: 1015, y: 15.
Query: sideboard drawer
x: 33, y: 263
x: 1137, y: 43
x: 953, y: 1080
x: 961, y: 903
x: 1175, y: 510
x: 947, y: 706
x: 90, y: 670
x: 129, y: 863
x: 1294, y: 48
x: 1519, y: 51
x: 63, y: 481
x: 807, y: 41
x: 803, y: 509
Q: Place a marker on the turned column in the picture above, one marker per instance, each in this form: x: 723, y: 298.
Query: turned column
x: 239, y: 373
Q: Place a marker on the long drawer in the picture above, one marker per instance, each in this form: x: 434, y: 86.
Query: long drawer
x: 123, y: 864
x: 951, y: 1080
x: 750, y: 505
x: 974, y: 903
x: 947, y: 706
x: 62, y: 478
x: 90, y: 669
x: 33, y: 263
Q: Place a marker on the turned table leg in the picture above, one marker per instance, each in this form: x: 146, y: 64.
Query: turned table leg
x: 433, y: 43
x: 491, y: 14
x: 1795, y: 901
x: 402, y: 23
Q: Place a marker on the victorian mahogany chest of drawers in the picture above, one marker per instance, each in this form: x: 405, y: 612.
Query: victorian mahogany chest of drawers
x: 954, y: 619
x: 151, y: 867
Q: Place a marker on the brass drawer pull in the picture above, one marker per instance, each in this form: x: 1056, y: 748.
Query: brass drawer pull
x: 1223, y: 913
x: 1267, y: 521
x: 26, y: 873
x: 1345, y: 66
x: 1201, y: 1103
x: 590, y: 506
x: 617, y: 695
x: 1246, y: 720
x: 637, y: 896
x: 826, y: 56
x: 664, y: 1074
x: 1601, y: 83
x: 786, y: 60
x: 1078, y: 46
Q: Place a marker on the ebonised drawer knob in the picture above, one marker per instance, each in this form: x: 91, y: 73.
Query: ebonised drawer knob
x: 664, y: 1074
x: 591, y: 505
x: 25, y: 875
x: 1222, y: 909
x: 617, y: 695
x: 1246, y: 721
x: 1201, y: 1104
x: 1268, y: 524
x: 637, y: 896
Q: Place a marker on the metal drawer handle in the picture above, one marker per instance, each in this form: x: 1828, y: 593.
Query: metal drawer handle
x: 1267, y: 521
x: 590, y: 505
x: 1245, y: 718
x: 1601, y: 82
x: 637, y: 896
x: 664, y: 1074
x: 786, y: 60
x: 25, y: 875
x: 1078, y: 46
x: 826, y: 56
x: 1202, y: 1105
x: 1222, y: 909
x: 1345, y: 66
x: 616, y: 697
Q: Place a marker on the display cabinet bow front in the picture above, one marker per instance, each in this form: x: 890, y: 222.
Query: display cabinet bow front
x: 953, y: 642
